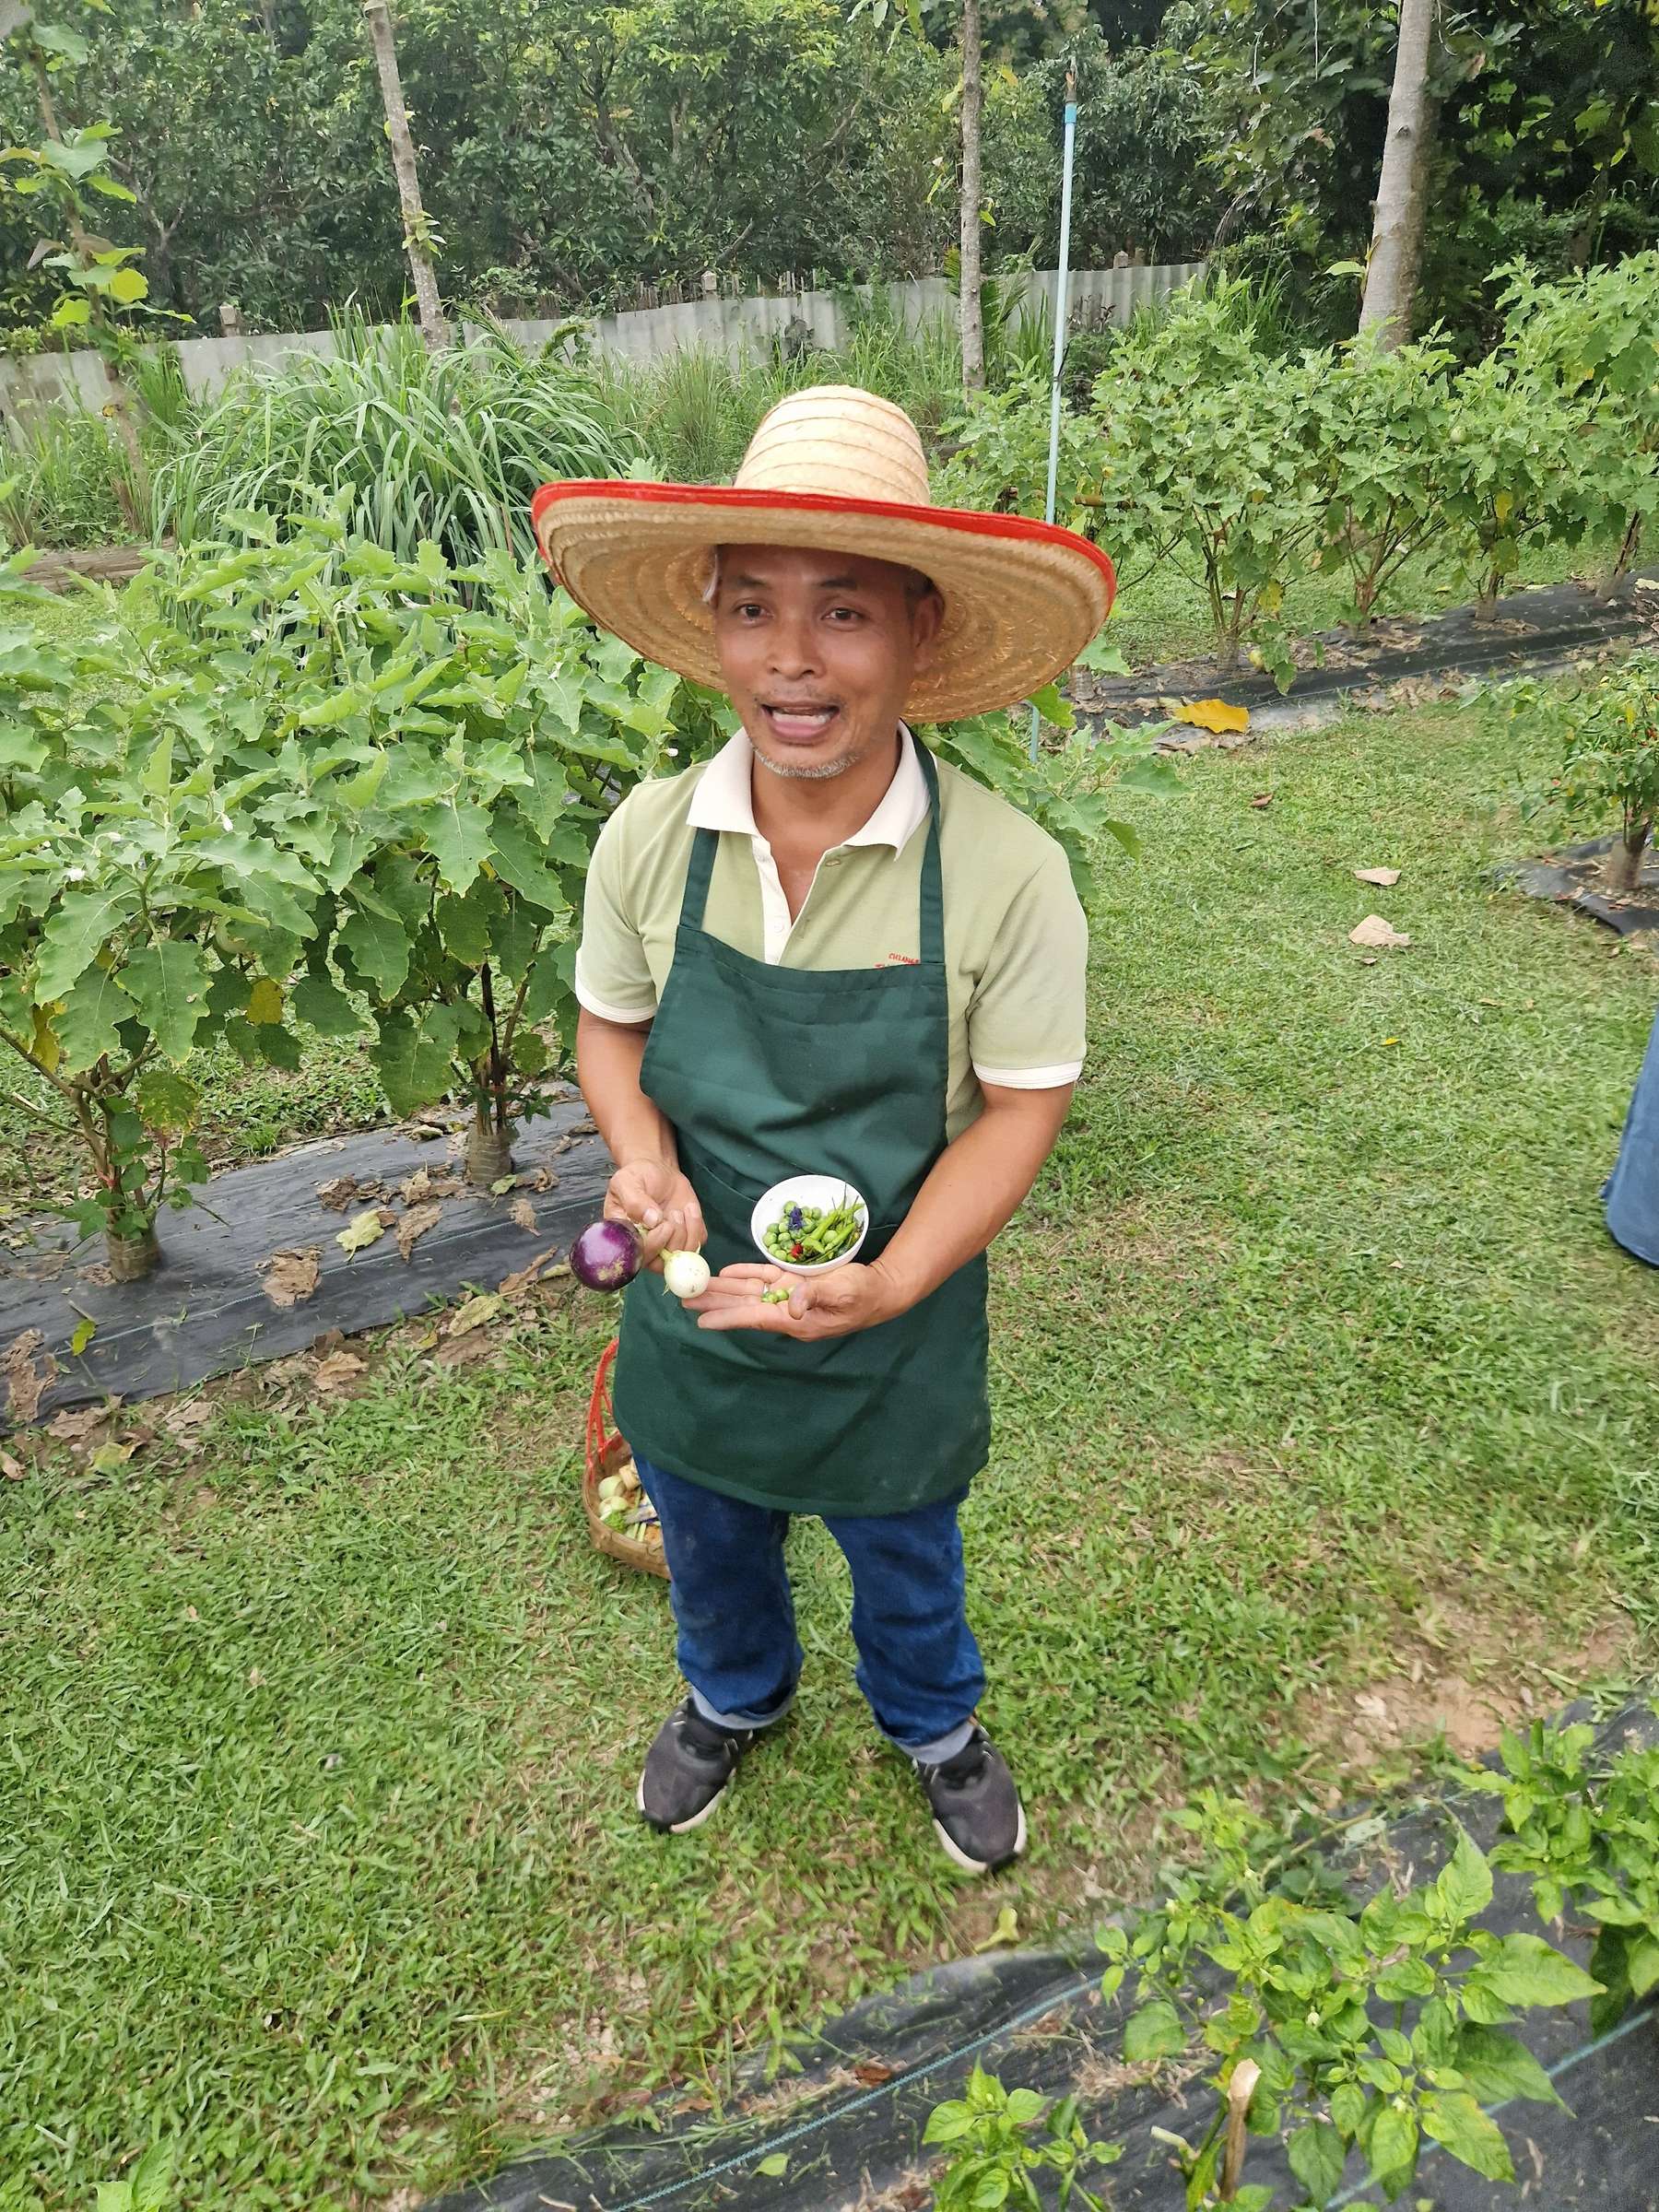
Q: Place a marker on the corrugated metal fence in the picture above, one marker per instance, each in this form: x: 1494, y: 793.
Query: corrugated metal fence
x: 44, y: 381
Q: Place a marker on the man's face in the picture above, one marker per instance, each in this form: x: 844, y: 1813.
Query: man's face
x: 817, y: 652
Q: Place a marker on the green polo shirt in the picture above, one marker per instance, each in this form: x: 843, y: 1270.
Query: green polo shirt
x: 1015, y: 941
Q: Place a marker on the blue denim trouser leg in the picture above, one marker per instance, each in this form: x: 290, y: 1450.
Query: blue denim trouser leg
x: 918, y: 1663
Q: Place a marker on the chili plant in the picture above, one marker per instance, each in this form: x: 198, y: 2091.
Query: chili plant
x: 1001, y: 2138
x: 1588, y: 1840
x: 1380, y: 422
x: 1510, y: 474
x: 1595, y: 335
x: 1609, y: 735
x: 1204, y: 465
x: 1372, y: 2028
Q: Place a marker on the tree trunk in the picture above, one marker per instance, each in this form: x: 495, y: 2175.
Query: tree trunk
x: 1623, y: 864
x: 1403, y: 188
x: 971, y: 303
x: 433, y: 327
x: 1607, y: 581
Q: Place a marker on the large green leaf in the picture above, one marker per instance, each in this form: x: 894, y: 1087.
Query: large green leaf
x: 1464, y: 1887
x: 1318, y: 2157
x: 168, y: 983
x: 1524, y: 1970
x: 378, y: 950
x: 467, y: 925
x: 1154, y: 2031
x: 1394, y: 2146
x: 87, y: 1025
x: 83, y: 925
x: 413, y: 1058
x: 458, y: 835
x: 1457, y: 2123
x: 519, y: 862
x: 320, y: 1003
x: 1496, y: 2066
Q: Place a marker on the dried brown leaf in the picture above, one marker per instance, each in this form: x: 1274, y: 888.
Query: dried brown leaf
x: 337, y: 1369
x: 468, y: 1350
x: 288, y: 1278
x: 13, y: 1470
x: 523, y: 1212
x: 1373, y: 930
x: 476, y: 1312
x: 26, y: 1385
x: 339, y: 1193
x: 74, y: 1426
x: 520, y: 1280
x: 414, y: 1225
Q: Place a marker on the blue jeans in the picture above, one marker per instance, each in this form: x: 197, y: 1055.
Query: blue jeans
x: 918, y: 1663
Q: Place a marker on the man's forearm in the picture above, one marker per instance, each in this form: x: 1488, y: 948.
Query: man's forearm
x: 975, y: 1187
x: 608, y: 1058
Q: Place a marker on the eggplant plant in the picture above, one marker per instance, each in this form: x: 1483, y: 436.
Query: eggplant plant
x: 156, y: 882
x: 479, y: 733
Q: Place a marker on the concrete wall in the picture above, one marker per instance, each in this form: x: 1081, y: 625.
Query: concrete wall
x: 40, y: 381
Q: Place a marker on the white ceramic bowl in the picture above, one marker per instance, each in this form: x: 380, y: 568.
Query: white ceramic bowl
x: 822, y: 1190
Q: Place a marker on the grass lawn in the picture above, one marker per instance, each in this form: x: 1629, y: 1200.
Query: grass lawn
x: 1316, y: 1376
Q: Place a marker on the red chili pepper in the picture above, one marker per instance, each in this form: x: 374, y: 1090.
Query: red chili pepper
x: 795, y: 1251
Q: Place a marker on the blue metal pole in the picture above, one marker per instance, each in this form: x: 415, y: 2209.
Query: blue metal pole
x: 1061, y: 312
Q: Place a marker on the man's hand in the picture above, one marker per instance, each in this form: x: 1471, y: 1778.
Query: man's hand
x: 833, y: 1304
x: 659, y: 1201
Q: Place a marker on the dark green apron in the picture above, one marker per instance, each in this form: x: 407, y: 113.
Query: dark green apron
x: 767, y: 1072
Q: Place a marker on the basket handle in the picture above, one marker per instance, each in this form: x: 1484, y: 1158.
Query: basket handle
x: 599, y: 1432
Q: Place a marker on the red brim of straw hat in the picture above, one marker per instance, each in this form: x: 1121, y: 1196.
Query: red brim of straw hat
x: 1022, y: 598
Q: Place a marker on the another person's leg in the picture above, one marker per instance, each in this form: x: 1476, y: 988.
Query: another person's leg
x: 919, y: 1668
x: 738, y: 1650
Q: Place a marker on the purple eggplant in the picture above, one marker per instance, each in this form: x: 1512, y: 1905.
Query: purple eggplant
x: 605, y: 1256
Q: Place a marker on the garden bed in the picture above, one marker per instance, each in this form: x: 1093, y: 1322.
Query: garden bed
x: 255, y: 1270
x: 1574, y: 877
x: 1399, y: 661
x: 848, y: 2127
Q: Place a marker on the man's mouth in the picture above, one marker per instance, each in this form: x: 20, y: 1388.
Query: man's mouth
x: 797, y: 721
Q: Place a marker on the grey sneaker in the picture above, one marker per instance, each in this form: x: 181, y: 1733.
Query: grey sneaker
x: 976, y: 1808
x: 687, y: 1768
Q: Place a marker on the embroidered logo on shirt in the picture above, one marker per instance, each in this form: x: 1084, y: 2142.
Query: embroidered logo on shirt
x: 899, y: 960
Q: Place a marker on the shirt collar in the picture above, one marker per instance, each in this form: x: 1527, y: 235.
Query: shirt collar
x: 724, y: 797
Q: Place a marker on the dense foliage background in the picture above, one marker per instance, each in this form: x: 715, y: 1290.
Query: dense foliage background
x: 571, y: 150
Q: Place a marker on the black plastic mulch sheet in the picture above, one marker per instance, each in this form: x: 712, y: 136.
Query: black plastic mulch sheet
x: 851, y: 2125
x: 1556, y: 623
x: 1573, y: 878
x: 207, y: 1310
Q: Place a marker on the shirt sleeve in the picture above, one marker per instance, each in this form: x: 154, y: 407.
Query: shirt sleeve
x: 612, y: 976
x: 1027, y: 1017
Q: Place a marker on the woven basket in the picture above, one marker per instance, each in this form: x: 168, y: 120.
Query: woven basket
x: 606, y: 1452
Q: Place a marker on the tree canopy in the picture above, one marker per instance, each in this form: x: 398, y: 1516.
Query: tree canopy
x: 571, y: 151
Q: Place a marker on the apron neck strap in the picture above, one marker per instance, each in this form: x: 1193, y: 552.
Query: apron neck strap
x: 706, y: 843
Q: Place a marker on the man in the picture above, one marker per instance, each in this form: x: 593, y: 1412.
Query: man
x: 820, y: 951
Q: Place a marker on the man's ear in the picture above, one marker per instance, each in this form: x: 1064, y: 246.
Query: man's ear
x: 927, y: 617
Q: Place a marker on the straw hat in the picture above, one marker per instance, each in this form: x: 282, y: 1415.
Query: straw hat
x: 839, y: 470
